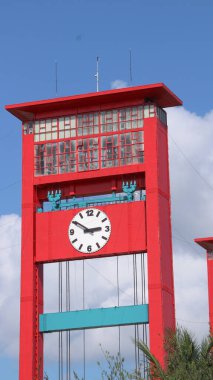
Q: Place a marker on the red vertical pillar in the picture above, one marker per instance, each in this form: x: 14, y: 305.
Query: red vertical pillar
x: 159, y: 240
x: 210, y: 288
x: 31, y: 344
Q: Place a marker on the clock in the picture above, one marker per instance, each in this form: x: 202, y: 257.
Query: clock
x: 89, y: 230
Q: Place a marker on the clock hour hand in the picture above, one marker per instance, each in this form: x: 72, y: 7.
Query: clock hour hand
x: 81, y: 226
x: 90, y: 230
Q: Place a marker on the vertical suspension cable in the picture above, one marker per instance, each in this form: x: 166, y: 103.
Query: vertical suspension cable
x: 134, y: 289
x: 136, y: 299
x: 143, y: 293
x: 60, y: 301
x: 118, y: 293
x: 68, y: 369
x: 69, y: 340
x: 84, y: 337
x: 59, y: 336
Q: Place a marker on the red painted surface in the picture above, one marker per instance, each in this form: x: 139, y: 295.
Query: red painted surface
x: 31, y: 302
x: 128, y: 233
x: 159, y: 244
x: 207, y: 244
x: 158, y: 93
x: 133, y: 228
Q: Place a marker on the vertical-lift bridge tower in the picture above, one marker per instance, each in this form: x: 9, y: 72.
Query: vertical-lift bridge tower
x: 86, y: 155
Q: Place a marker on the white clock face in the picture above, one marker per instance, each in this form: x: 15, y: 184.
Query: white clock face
x: 89, y: 230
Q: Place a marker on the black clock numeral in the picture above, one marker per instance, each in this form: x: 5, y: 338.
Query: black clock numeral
x: 72, y: 232
x: 106, y: 228
x: 89, y: 248
x: 90, y: 212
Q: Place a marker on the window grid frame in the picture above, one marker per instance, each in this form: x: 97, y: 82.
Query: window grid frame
x: 97, y: 156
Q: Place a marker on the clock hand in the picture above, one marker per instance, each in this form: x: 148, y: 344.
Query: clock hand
x: 90, y: 230
x: 81, y: 226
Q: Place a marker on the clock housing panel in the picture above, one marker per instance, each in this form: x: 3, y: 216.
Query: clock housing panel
x: 128, y: 233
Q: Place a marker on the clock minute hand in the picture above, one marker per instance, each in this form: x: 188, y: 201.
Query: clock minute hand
x: 81, y: 226
x: 90, y: 230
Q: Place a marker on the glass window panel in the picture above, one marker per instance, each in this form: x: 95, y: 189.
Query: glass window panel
x: 37, y: 127
x: 140, y: 123
x: 61, y: 123
x: 95, y: 118
x: 115, y: 116
x: 49, y: 148
x: 140, y: 112
x: 102, y: 117
x: 103, y: 141
x: 48, y: 126
x: 61, y: 147
x: 122, y: 125
x: 67, y: 146
x: 67, y: 134
x: 84, y: 131
x: 73, y: 145
x: 128, y: 114
x: 42, y: 136
x: 141, y: 136
x: 134, y: 113
x: 61, y: 135
x: 128, y: 138
x: 54, y: 135
x: 122, y: 115
x: 146, y: 111
x: 48, y: 136
x: 128, y: 125
x: 36, y: 138
x: 54, y: 122
x: 67, y: 120
x: 73, y: 133
x: 79, y: 131
x: 73, y: 122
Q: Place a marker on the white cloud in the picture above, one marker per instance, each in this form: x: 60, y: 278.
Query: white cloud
x: 9, y: 283
x: 190, y: 144
x: 118, y: 83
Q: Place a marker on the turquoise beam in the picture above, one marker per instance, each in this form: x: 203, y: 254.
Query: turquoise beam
x: 93, y: 318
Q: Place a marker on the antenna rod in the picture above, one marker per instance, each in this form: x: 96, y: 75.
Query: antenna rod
x: 97, y: 74
x: 130, y: 66
x: 56, y: 78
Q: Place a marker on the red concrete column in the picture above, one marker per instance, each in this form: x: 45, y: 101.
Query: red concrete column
x: 210, y: 288
x: 159, y: 239
x: 31, y: 345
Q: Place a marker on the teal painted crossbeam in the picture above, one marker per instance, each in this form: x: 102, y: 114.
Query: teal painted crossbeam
x: 93, y: 318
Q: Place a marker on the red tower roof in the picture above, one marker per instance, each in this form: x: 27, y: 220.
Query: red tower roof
x: 206, y: 243
x: 157, y: 93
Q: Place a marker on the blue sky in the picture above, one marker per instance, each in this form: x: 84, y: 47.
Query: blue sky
x: 171, y: 42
